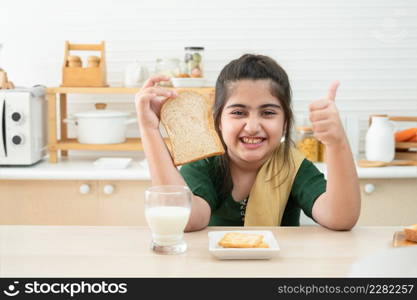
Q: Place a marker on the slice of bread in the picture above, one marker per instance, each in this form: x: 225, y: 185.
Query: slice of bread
x: 411, y: 233
x: 189, y: 124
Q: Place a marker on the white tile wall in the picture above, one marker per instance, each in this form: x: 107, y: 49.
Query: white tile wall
x: 369, y: 45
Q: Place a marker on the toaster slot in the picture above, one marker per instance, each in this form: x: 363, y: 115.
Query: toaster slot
x: 3, y: 128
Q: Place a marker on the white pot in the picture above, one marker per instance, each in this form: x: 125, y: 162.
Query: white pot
x: 101, y: 126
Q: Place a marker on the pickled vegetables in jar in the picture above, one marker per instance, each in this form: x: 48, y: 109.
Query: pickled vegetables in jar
x: 194, y: 61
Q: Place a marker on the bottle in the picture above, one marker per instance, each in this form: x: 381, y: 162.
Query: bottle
x: 380, y: 139
x: 307, y: 143
x: 194, y: 61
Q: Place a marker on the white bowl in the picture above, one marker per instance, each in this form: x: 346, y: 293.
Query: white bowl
x: 188, y: 82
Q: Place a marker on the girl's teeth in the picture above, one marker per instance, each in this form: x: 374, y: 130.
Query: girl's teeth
x: 251, y: 141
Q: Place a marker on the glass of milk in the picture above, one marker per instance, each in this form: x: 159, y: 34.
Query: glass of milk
x: 167, y: 209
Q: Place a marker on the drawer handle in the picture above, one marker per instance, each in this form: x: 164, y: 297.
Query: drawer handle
x: 108, y: 189
x: 369, y: 188
x: 84, y: 189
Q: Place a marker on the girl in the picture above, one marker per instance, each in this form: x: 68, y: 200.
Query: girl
x: 261, y: 180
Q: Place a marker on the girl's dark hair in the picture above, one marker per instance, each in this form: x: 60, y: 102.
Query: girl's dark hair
x: 252, y: 67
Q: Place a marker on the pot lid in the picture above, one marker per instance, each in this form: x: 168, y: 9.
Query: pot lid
x: 102, y: 114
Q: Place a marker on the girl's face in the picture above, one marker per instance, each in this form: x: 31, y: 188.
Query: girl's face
x: 252, y: 122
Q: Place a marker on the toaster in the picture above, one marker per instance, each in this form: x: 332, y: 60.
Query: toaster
x: 23, y: 130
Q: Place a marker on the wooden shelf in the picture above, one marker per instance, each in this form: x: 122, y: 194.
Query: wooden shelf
x: 106, y: 90
x: 405, y: 145
x: 131, y: 144
x: 65, y: 144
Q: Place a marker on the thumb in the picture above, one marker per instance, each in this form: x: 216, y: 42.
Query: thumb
x: 331, y: 94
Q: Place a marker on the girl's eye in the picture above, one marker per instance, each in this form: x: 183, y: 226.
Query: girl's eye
x: 269, y: 112
x: 237, y: 113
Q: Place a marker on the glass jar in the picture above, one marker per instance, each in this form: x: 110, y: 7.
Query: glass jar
x: 194, y: 61
x: 168, y: 67
x: 307, y: 143
x: 322, y: 152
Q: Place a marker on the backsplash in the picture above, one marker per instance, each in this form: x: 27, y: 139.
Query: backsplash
x: 370, y: 46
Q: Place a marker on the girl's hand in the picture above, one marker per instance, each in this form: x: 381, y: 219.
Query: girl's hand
x: 149, y: 101
x: 325, y: 119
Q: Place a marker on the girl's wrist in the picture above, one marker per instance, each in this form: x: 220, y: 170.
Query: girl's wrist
x: 339, y: 146
x: 148, y: 129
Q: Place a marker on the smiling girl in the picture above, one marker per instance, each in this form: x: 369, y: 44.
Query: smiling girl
x: 261, y: 180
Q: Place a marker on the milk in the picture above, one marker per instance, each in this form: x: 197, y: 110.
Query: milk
x: 167, y: 223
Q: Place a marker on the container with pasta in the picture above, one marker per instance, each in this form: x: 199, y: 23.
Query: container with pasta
x: 307, y: 143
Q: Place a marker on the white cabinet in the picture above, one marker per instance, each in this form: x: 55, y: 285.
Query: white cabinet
x: 385, y: 202
x: 71, y: 202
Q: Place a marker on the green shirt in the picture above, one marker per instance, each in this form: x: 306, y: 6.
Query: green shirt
x: 204, y: 181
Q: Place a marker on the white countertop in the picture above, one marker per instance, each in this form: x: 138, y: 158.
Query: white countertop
x: 92, y: 251
x: 76, y: 167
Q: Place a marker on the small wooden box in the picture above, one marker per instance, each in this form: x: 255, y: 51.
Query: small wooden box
x: 84, y: 76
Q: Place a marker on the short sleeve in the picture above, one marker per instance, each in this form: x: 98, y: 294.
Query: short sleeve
x: 198, y: 176
x: 309, y: 184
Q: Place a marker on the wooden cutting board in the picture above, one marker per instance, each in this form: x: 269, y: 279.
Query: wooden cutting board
x: 400, y: 241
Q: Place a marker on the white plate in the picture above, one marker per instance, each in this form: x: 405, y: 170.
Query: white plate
x: 112, y: 162
x: 188, y: 82
x: 243, y: 253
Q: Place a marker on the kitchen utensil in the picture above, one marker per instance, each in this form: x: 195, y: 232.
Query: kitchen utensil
x: 399, y: 240
x: 372, y: 164
x: 243, y: 253
x: 194, y: 61
x: 307, y: 143
x: 74, y: 75
x: 380, y: 140
x: 23, y: 137
x: 135, y: 74
x: 101, y: 126
x: 167, y: 210
x: 93, y: 61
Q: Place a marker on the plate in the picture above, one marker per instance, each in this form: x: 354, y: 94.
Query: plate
x: 112, y: 162
x: 188, y: 82
x: 243, y: 253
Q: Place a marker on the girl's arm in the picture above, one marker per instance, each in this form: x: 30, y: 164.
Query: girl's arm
x: 163, y: 171
x: 339, y: 207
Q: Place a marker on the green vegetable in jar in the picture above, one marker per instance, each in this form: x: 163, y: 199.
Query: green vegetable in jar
x: 197, y: 57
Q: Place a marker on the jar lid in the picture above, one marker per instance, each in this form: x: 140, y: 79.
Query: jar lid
x: 101, y: 114
x: 194, y: 48
x: 305, y: 128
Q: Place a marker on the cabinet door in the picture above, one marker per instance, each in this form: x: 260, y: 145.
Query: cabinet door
x: 48, y: 202
x: 388, y: 202
x: 122, y: 202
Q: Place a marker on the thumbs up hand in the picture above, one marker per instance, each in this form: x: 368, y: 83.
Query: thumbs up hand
x: 325, y: 119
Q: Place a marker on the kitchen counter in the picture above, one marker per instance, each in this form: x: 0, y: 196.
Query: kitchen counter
x: 89, y: 251
x: 82, y: 168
